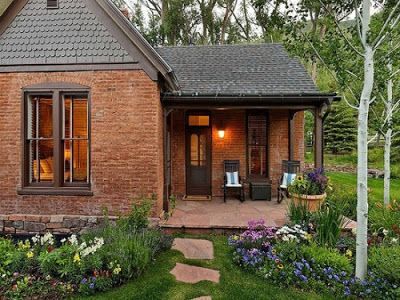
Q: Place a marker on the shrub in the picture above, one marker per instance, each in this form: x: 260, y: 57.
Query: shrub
x: 347, y: 200
x: 326, y: 257
x: 385, y: 218
x: 329, y: 221
x: 298, y: 212
x: 385, y: 262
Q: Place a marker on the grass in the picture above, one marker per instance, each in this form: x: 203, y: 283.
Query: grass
x: 348, y: 181
x: 375, y: 160
x: 235, y: 283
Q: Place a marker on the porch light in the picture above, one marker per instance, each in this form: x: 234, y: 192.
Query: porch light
x: 221, y: 133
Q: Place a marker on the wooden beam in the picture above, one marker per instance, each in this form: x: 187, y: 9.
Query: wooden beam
x: 291, y: 134
x: 319, y: 139
x: 166, y: 195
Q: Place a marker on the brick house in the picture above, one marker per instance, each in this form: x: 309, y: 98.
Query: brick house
x: 92, y: 116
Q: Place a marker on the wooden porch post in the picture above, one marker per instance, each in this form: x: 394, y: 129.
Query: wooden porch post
x: 291, y: 134
x: 319, y: 138
x: 166, y: 150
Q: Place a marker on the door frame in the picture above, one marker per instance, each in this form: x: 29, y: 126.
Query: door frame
x: 187, y: 140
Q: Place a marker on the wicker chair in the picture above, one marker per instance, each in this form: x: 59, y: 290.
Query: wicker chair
x: 232, y: 166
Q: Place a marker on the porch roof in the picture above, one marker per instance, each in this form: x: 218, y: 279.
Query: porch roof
x: 257, y: 72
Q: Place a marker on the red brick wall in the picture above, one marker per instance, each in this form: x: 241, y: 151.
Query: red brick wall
x: 126, y: 141
x: 233, y: 146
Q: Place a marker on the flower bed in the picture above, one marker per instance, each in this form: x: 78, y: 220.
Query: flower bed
x: 96, y: 261
x: 290, y: 256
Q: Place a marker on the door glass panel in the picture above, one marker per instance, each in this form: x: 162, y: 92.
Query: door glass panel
x: 203, y: 150
x: 199, y: 120
x: 194, y: 150
x: 257, y: 145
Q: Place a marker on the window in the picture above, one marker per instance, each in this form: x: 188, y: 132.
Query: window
x: 199, y: 120
x: 56, y: 147
x: 52, y: 3
x: 257, y: 145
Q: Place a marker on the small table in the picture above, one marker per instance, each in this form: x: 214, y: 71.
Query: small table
x: 260, y: 189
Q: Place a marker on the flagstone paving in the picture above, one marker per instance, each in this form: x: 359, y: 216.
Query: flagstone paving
x: 232, y: 214
x: 192, y: 274
x: 203, y: 298
x: 194, y: 248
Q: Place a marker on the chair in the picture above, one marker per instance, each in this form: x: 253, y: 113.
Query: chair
x: 290, y: 169
x: 232, y: 179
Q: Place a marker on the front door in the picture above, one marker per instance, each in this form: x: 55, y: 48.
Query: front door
x: 198, y: 155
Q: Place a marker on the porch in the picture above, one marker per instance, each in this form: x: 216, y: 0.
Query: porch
x: 217, y: 215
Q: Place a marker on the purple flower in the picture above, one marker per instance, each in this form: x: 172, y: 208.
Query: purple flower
x: 84, y: 281
x: 347, y: 291
x: 303, y: 278
x: 91, y: 285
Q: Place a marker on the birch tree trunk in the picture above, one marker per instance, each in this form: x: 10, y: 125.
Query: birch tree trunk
x: 388, y: 138
x: 362, y: 148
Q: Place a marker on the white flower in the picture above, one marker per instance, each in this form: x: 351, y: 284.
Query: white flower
x: 73, y: 240
x: 385, y: 231
x: 63, y: 240
x: 394, y: 240
x: 354, y: 231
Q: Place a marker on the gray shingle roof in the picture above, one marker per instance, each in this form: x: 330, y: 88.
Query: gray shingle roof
x: 70, y: 34
x: 262, y: 69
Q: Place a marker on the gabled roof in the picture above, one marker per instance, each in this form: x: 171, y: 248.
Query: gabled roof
x: 78, y: 32
x: 260, y: 69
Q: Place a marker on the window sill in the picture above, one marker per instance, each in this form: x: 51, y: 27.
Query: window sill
x: 69, y: 191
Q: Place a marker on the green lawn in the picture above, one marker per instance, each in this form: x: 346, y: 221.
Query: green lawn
x: 348, y: 181
x: 158, y: 283
x: 375, y: 160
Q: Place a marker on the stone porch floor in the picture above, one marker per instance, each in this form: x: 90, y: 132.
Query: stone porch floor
x: 233, y: 214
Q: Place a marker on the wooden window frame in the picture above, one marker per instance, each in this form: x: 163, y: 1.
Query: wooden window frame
x: 57, y: 187
x: 267, y: 150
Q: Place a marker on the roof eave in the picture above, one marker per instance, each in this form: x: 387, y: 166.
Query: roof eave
x: 151, y: 54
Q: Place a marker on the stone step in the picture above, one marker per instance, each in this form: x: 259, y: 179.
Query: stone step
x: 191, y: 274
x: 194, y: 248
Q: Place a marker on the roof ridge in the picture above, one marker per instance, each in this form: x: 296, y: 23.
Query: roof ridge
x: 221, y: 45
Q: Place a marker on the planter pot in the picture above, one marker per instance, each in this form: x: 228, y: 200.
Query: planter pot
x: 313, y: 202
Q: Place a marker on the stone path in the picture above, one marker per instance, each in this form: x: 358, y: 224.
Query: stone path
x: 194, y: 249
x: 192, y: 274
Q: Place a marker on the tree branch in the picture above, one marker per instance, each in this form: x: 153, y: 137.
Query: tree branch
x: 381, y: 35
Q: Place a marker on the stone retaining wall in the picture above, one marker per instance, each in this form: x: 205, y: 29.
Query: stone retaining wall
x: 56, y: 224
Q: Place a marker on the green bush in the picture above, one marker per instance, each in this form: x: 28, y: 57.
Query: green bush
x: 298, y: 213
x: 381, y: 217
x: 347, y: 200
x: 326, y: 257
x: 329, y: 220
x: 385, y: 262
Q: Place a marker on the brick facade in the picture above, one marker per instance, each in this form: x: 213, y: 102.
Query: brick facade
x: 233, y: 146
x: 126, y: 143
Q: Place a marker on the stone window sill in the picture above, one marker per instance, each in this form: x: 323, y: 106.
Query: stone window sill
x: 67, y: 191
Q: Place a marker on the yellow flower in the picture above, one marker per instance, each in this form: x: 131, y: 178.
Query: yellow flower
x: 308, y: 236
x: 29, y: 254
x: 349, y: 253
x: 235, y: 237
x: 77, y: 258
x: 273, y: 251
x: 280, y: 266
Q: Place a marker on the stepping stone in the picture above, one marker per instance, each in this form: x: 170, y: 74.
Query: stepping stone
x: 192, y: 274
x: 194, y: 248
x: 349, y: 224
x: 203, y: 298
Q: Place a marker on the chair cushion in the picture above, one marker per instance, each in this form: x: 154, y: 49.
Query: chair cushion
x: 288, y: 179
x: 233, y: 185
x: 232, y: 178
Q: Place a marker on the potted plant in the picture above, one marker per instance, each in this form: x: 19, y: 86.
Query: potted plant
x: 310, y: 189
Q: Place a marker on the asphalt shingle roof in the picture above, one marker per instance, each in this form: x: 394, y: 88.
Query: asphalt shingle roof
x: 262, y: 69
x: 70, y: 34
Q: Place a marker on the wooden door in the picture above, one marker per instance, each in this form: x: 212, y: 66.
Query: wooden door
x: 198, y: 160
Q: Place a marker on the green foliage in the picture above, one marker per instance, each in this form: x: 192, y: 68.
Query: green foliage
x: 346, y: 199
x: 329, y: 220
x: 385, y: 262
x: 326, y: 257
x: 139, y: 215
x: 298, y: 212
x: 381, y: 217
x: 340, y: 129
